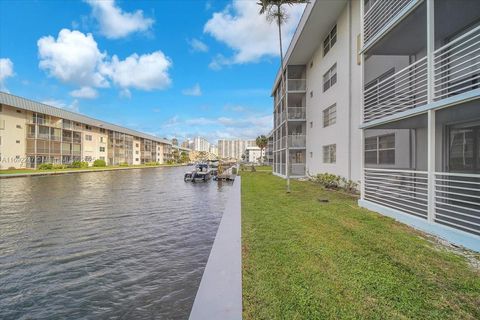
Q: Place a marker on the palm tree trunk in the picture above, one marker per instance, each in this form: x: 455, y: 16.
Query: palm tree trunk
x: 284, y: 96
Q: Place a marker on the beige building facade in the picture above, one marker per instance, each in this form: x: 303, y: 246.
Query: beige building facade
x: 33, y: 133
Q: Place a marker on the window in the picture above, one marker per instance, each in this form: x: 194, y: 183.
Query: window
x: 464, y: 148
x: 88, y: 158
x: 330, y: 40
x: 2, y: 124
x: 19, y: 111
x: 1, y: 107
x: 330, y: 153
x: 330, y: 116
x: 101, y: 140
x: 102, y: 149
x: 136, y: 159
x: 311, y: 94
x: 380, y: 149
x: 311, y: 124
x: 330, y: 78
x: 88, y: 137
x: 19, y: 126
x: 136, y: 145
x: 87, y: 127
x: 102, y: 158
x: 311, y: 154
x: 136, y: 152
x: 102, y: 130
x: 18, y: 141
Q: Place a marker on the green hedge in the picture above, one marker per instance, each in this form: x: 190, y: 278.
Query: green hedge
x: 99, y: 163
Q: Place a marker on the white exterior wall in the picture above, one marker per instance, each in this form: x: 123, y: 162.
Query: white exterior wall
x: 136, y: 152
x: 12, y: 154
x: 345, y: 133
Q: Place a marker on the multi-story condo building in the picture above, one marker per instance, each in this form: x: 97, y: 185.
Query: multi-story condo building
x: 317, y: 109
x: 254, y: 155
x: 33, y: 133
x: 201, y: 144
x: 388, y: 93
x: 233, y: 149
x: 213, y: 150
x: 269, y: 150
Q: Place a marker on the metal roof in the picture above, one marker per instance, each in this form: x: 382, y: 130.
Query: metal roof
x: 26, y: 104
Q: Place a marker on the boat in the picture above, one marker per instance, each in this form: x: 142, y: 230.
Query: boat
x: 201, y: 172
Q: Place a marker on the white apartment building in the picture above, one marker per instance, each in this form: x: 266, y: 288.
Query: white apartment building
x: 201, y: 144
x: 254, y: 155
x: 388, y: 93
x: 233, y: 149
x: 213, y: 150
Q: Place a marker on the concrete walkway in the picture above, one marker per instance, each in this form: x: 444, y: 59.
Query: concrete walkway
x: 220, y: 293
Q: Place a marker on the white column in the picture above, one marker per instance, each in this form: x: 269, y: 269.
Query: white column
x: 430, y: 49
x: 431, y: 113
x: 431, y: 165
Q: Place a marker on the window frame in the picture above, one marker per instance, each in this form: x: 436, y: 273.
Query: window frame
x: 328, y: 119
x: 330, y: 40
x: 330, y: 77
x: 330, y: 153
x: 377, y: 150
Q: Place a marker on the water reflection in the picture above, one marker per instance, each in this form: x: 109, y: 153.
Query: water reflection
x: 124, y: 244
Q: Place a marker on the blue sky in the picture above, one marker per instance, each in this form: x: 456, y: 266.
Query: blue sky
x: 169, y: 68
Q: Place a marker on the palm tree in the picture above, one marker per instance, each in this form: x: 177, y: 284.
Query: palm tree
x: 275, y: 12
x: 261, y: 142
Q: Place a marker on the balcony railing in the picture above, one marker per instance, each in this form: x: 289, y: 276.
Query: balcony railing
x: 297, y: 84
x: 297, y: 141
x: 403, y: 190
x: 457, y: 201
x: 380, y: 14
x: 279, y: 118
x: 296, y: 113
x: 406, y: 89
x: 457, y: 65
x: 297, y: 169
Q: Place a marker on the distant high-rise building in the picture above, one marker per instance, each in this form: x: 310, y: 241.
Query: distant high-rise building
x: 175, y: 141
x: 201, y: 144
x: 233, y: 148
x: 214, y: 149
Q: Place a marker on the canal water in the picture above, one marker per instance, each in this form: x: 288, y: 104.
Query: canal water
x: 128, y: 244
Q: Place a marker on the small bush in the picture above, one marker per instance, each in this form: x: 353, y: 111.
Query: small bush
x: 252, y: 169
x: 170, y: 162
x: 242, y: 167
x: 331, y: 181
x: 11, y: 168
x: 153, y: 163
x: 79, y: 164
x: 99, y: 163
x: 123, y: 164
x: 234, y: 170
x: 45, y: 166
x: 59, y: 166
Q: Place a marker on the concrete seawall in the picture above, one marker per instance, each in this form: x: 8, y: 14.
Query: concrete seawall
x: 220, y: 293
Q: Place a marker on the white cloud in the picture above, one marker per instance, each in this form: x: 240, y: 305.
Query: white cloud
x: 114, y: 22
x: 197, y: 45
x: 249, y: 34
x: 6, y: 71
x: 85, y: 93
x: 62, y: 105
x: 193, y: 91
x: 145, y: 72
x: 73, y: 58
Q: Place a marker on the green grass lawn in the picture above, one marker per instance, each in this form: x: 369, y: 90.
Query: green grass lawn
x: 303, y: 259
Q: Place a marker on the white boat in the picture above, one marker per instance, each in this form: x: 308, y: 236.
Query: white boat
x: 202, y: 172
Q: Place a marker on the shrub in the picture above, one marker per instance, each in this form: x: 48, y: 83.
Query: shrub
x: 79, y: 164
x: 234, y: 170
x: 170, y: 162
x: 45, y: 166
x: 253, y: 168
x: 11, y: 168
x: 59, y: 166
x: 153, y: 163
x: 331, y: 181
x: 328, y: 180
x: 99, y: 163
x: 242, y: 167
x: 123, y: 164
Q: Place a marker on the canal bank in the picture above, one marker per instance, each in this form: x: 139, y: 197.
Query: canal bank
x: 220, y: 293
x: 68, y: 171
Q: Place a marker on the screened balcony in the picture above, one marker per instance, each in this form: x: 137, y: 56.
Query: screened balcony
x: 397, y: 67
x: 380, y: 13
